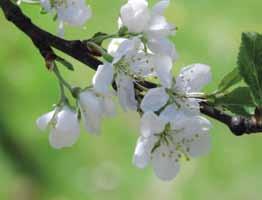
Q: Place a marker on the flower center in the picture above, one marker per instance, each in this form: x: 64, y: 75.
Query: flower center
x: 122, y: 66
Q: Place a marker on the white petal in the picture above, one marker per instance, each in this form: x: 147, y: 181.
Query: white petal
x: 60, y: 140
x: 108, y: 106
x: 103, y: 78
x: 160, y: 7
x: 200, y: 146
x: 195, y: 136
x: 67, y: 120
x: 151, y: 124
x: 114, y: 45
x: 154, y: 99
x: 199, y: 124
x: 43, y: 121
x: 126, y: 92
x: 163, y: 69
x: 165, y: 163
x: 91, y: 110
x: 159, y: 27
x: 192, y: 78
x: 171, y: 113
x: 142, y: 152
x: 128, y: 48
x: 66, y: 130
x: 163, y: 46
x: 120, y: 23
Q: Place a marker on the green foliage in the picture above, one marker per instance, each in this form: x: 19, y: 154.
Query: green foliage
x: 229, y: 80
x: 250, y: 64
x: 238, y: 101
x: 243, y: 100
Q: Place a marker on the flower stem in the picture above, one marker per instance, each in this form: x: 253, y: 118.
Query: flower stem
x: 62, y: 83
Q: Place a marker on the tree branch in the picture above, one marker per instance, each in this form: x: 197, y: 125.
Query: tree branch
x: 77, y: 49
x: 238, y: 125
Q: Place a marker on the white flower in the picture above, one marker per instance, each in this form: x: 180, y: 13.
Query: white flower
x: 137, y: 17
x: 64, y: 126
x: 123, y: 66
x: 94, y: 107
x: 190, y: 132
x: 72, y: 12
x: 185, y: 91
x: 130, y: 55
x: 166, y: 138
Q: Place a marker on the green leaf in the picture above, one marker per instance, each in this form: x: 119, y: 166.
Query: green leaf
x: 65, y: 63
x: 238, y: 101
x: 229, y: 80
x: 250, y: 64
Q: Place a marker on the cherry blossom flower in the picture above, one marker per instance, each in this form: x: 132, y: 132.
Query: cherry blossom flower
x: 123, y: 67
x: 184, y: 92
x: 165, y: 139
x: 137, y: 17
x: 63, y: 124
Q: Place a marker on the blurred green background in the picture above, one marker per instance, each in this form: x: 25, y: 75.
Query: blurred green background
x: 100, y: 167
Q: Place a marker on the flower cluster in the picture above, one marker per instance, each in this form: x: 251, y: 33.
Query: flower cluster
x: 171, y: 125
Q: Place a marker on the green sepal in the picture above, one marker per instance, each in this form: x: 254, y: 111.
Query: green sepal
x: 123, y: 31
x: 99, y: 37
x: 108, y: 57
